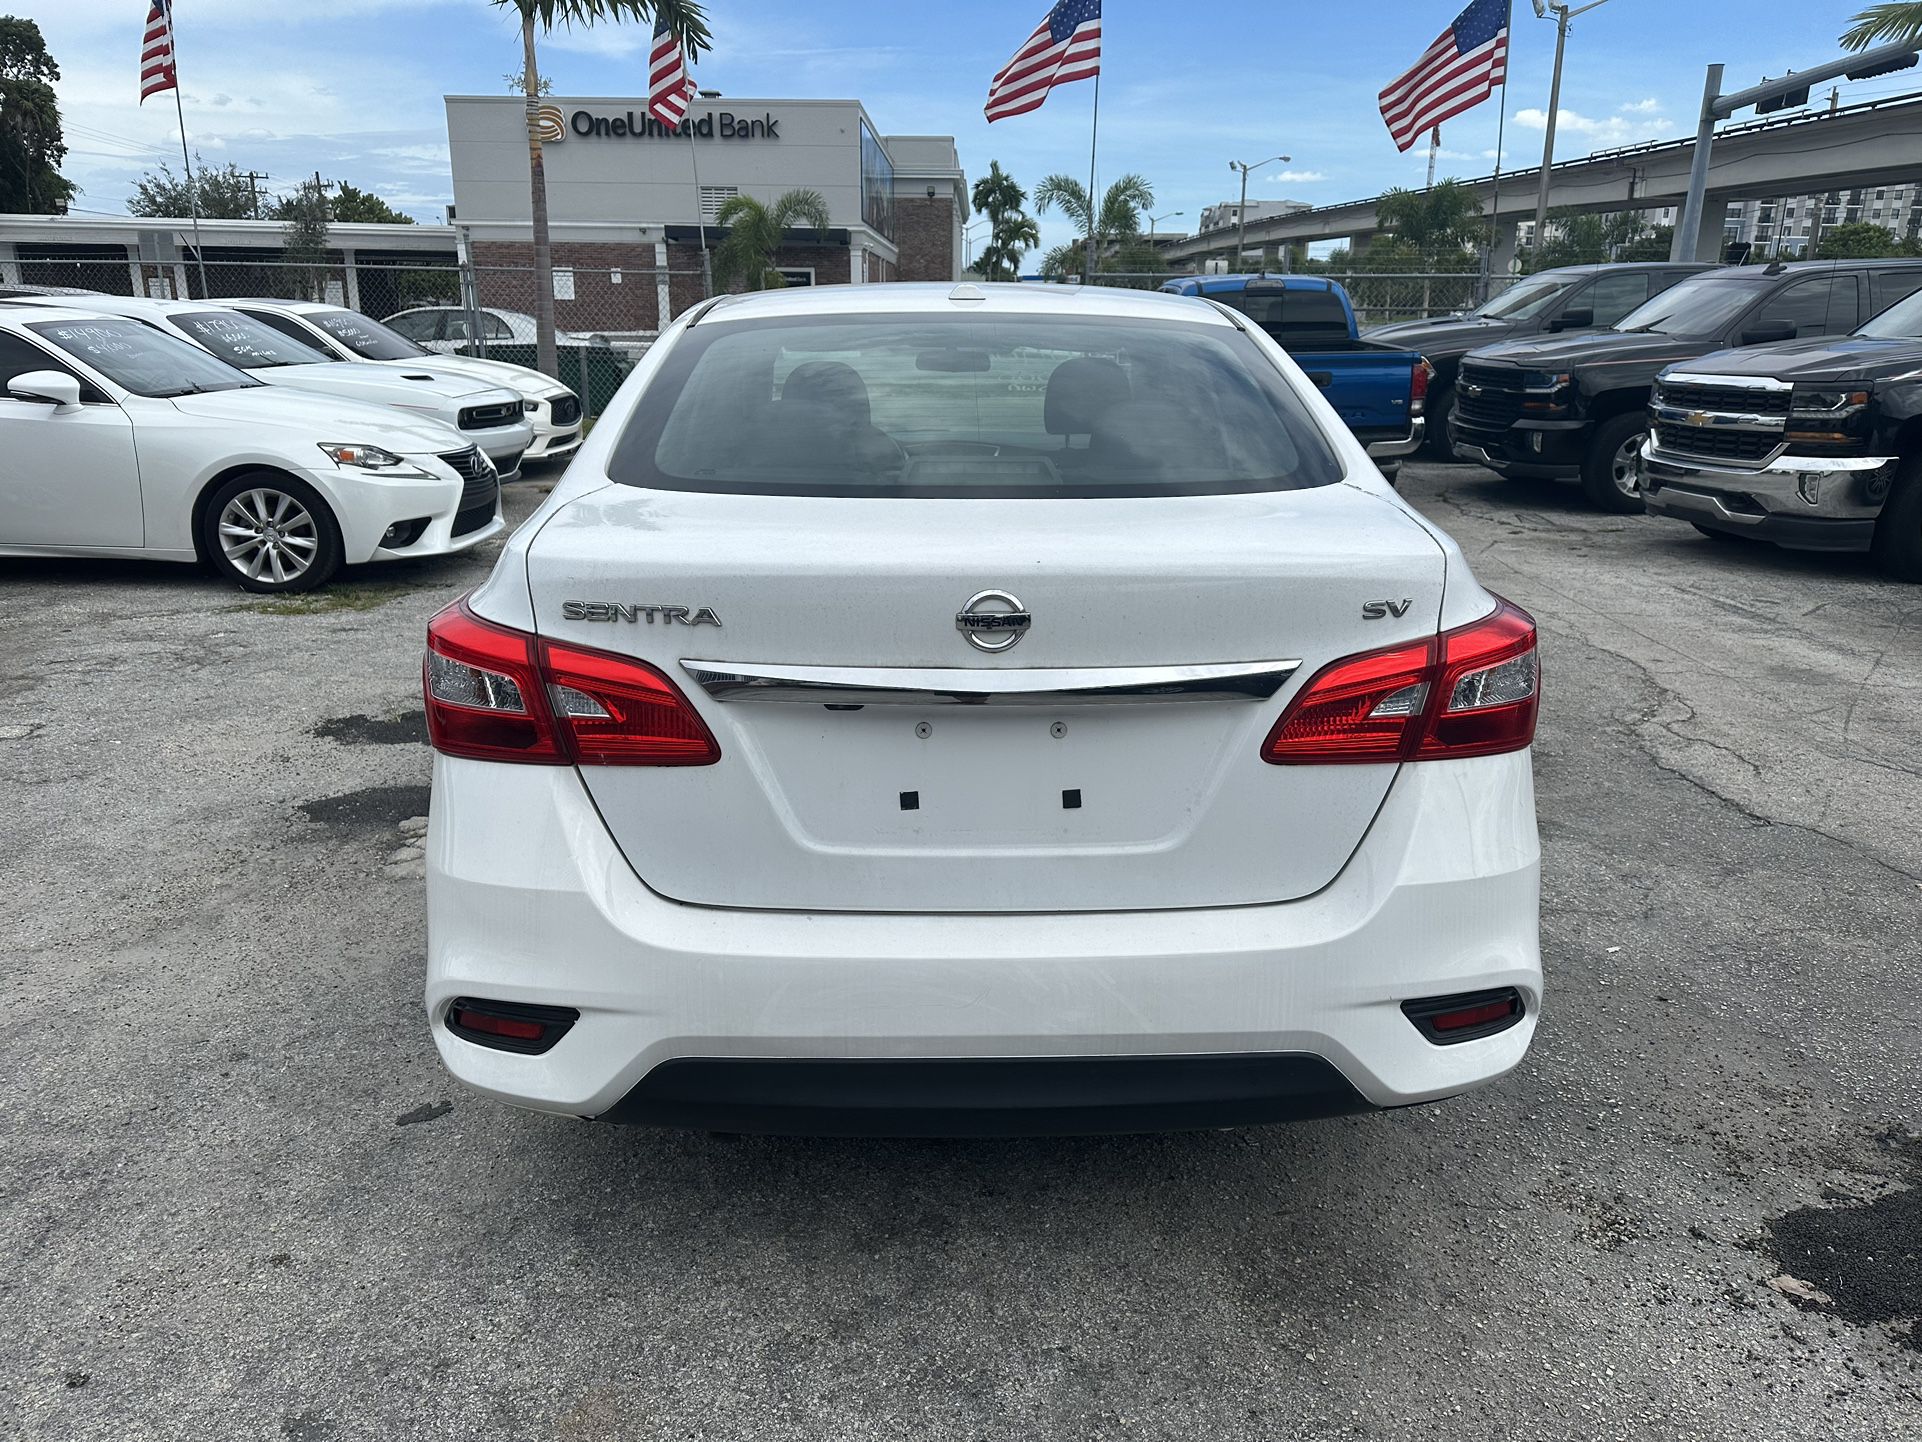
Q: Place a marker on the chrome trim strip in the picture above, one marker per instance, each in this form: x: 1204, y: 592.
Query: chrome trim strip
x: 955, y: 686
x: 1740, y: 383
x: 1717, y: 420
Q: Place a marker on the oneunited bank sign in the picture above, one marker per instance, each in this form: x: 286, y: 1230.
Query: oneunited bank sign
x: 724, y: 125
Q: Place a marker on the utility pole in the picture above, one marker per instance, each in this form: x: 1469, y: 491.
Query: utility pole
x: 1563, y: 14
x: 1241, y: 215
x: 254, y: 177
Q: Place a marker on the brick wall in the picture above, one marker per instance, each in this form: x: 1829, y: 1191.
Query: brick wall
x: 924, y: 234
x: 504, y: 273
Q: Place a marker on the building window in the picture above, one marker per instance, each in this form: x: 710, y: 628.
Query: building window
x: 877, y: 184
x: 713, y: 197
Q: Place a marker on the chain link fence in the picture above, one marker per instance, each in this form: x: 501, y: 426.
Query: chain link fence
x: 1379, y: 298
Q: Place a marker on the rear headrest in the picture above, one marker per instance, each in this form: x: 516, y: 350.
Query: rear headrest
x: 1080, y: 392
x: 832, y: 384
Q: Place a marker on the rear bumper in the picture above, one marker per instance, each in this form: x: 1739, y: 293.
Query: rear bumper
x: 1804, y: 502
x: 986, y: 1096
x: 1404, y: 446
x: 529, y: 900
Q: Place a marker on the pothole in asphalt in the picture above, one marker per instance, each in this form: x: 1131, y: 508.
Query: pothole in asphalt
x: 410, y: 727
x: 376, y: 808
x: 1867, y: 1259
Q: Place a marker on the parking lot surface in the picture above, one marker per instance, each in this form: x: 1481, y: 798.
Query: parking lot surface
x: 241, y: 1200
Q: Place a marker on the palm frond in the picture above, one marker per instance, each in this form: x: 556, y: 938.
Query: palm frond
x: 685, y: 18
x: 1897, y: 20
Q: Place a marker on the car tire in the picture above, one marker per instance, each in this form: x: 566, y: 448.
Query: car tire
x: 1439, y: 443
x: 1897, y: 546
x: 267, y: 532
x: 1611, y: 475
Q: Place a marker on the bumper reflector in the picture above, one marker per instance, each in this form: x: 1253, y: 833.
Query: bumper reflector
x: 510, y: 1025
x: 1465, y: 1016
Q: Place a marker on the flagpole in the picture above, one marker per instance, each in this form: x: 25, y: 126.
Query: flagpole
x: 700, y: 210
x: 193, y: 193
x: 1094, y: 209
x: 1434, y: 145
x: 1501, y: 125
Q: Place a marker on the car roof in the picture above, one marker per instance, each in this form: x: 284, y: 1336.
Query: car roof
x: 275, y: 302
x: 965, y: 298
x: 1694, y: 267
x: 55, y: 308
x: 1268, y: 280
x: 130, y: 305
x: 1807, y: 267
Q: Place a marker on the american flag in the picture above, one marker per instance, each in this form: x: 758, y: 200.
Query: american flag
x: 157, y: 51
x: 1065, y: 46
x: 1458, y: 72
x: 669, y: 86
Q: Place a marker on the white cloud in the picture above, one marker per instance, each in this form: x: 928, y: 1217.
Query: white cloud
x: 1618, y: 129
x: 1641, y: 107
x: 1297, y: 177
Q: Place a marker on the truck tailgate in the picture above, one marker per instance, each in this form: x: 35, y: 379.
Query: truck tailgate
x: 1368, y: 387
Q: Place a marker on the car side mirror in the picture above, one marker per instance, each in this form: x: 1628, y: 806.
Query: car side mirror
x: 1769, y: 333
x: 1573, y: 319
x: 53, y: 388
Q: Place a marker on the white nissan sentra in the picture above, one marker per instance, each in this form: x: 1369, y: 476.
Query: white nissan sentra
x: 978, y: 709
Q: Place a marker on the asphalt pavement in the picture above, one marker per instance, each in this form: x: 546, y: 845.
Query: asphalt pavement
x: 239, y: 1198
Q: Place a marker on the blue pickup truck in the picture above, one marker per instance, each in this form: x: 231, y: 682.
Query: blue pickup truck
x: 1379, y: 390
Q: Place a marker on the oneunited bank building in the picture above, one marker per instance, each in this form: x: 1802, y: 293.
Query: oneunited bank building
x: 631, y: 201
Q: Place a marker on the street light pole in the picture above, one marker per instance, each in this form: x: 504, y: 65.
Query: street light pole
x: 1563, y: 14
x: 1153, y: 220
x: 1241, y: 214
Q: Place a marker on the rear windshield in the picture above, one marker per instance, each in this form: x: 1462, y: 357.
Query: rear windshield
x: 1295, y: 316
x: 989, y: 406
x: 368, y: 339
x: 243, y: 341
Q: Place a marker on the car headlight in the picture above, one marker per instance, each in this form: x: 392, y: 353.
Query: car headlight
x: 1823, y: 404
x: 1545, y: 380
x: 370, y: 458
x: 530, y: 406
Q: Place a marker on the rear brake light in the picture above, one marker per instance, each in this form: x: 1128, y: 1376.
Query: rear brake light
x: 497, y: 694
x: 510, y: 1025
x: 1418, y: 389
x: 1473, y: 691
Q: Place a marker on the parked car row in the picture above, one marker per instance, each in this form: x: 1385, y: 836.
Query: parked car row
x: 184, y: 430
x: 1778, y: 403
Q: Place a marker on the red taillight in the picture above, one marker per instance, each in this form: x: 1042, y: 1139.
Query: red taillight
x: 1418, y: 389
x: 498, y: 694
x: 1473, y: 691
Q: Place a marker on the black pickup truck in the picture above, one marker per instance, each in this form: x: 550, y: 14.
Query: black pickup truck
x: 1577, y: 406
x: 1550, y: 302
x: 1814, y: 444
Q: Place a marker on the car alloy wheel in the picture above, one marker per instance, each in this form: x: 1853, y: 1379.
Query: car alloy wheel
x: 268, y: 535
x: 1625, y: 468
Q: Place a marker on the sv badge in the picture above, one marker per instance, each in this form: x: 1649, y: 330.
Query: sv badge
x: 1381, y: 610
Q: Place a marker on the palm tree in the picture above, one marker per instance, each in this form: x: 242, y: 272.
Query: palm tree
x: 1011, y: 233
x: 1117, y: 222
x: 1895, y: 21
x: 755, y: 232
x: 684, y: 17
x: 1437, y: 225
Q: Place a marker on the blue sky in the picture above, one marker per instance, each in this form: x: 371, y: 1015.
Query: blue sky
x: 353, y: 87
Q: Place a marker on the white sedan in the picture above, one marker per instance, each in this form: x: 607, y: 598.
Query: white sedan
x: 550, y: 408
x: 928, y: 709
x: 122, y: 440
x: 489, y: 415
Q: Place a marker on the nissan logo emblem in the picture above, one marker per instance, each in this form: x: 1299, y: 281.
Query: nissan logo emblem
x: 992, y: 620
